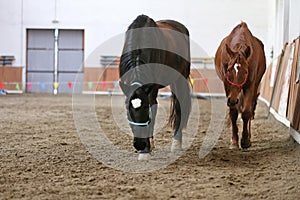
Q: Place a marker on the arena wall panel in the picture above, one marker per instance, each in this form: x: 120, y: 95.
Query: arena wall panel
x: 106, y: 79
x: 11, y: 78
x: 280, y: 79
x: 293, y: 113
x: 285, y: 95
x: 266, y: 88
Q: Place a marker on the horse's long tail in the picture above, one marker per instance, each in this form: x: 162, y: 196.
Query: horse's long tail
x: 180, y: 105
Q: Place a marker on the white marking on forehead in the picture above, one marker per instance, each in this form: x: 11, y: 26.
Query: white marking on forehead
x: 236, y: 65
x: 136, y: 103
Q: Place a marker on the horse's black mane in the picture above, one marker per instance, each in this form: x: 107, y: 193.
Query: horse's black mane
x: 142, y: 21
x: 130, y: 52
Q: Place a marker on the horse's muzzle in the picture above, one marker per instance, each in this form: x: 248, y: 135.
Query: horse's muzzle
x: 231, y: 102
x: 141, y: 144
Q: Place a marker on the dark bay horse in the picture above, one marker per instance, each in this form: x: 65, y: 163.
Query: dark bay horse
x: 240, y: 63
x: 155, y: 55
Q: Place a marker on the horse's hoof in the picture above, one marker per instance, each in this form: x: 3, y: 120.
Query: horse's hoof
x: 245, y: 144
x: 234, y: 146
x: 176, y: 146
x: 144, y: 156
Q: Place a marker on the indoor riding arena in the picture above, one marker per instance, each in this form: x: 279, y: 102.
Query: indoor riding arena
x: 89, y: 89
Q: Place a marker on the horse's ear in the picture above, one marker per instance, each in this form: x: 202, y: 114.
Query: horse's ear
x: 125, y: 88
x: 247, y: 52
x: 230, y: 53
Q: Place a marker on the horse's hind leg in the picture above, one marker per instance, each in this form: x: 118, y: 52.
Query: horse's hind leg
x: 235, y: 137
x: 177, y: 139
x: 180, y: 110
x: 178, y: 129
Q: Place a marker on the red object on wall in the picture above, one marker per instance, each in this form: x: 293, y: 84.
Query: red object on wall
x: 70, y: 84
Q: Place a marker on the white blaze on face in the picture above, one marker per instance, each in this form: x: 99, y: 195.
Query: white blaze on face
x: 136, y: 103
x: 236, y: 68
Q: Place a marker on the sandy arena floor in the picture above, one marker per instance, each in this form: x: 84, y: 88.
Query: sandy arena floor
x: 42, y: 157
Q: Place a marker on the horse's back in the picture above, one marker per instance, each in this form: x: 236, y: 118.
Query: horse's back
x: 178, y: 45
x: 175, y: 26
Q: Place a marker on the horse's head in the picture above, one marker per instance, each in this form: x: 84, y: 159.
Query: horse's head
x: 139, y: 114
x: 236, y: 73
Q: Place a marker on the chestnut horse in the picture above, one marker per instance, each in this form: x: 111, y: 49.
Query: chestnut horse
x: 240, y: 63
x: 155, y: 55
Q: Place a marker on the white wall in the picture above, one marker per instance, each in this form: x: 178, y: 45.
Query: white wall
x: 287, y: 27
x: 294, y: 20
x: 207, y: 20
x: 287, y: 23
x: 11, y: 38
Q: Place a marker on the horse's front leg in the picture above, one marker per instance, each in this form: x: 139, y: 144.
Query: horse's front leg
x: 153, y: 104
x: 150, y: 130
x: 144, y: 154
x: 246, y: 135
x: 151, y: 125
x: 235, y: 137
x: 247, y: 116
